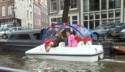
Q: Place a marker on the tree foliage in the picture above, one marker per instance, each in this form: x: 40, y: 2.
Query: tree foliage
x: 8, y: 3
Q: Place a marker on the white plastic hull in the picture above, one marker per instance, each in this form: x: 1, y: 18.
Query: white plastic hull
x: 85, y: 53
x: 70, y: 58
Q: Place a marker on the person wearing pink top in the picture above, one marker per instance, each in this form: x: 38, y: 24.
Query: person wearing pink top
x: 71, y: 40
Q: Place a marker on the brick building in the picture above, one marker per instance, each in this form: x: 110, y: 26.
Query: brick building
x: 28, y: 13
x: 7, y: 13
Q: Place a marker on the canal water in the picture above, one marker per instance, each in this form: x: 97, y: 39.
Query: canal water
x: 18, y: 60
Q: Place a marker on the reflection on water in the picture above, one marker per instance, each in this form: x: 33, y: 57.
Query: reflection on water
x: 20, y: 61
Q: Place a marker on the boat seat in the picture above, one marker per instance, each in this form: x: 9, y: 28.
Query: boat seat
x: 62, y: 44
x: 89, y: 43
x: 81, y: 43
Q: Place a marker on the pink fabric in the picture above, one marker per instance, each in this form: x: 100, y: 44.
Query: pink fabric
x: 71, y: 41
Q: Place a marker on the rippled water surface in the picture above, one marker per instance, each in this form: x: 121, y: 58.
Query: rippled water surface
x: 18, y: 60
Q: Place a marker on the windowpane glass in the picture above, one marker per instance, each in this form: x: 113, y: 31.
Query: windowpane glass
x: 117, y: 3
x: 85, y: 2
x: 114, y: 4
x: 86, y: 24
x: 20, y: 37
x: 117, y: 14
x: 74, y: 22
x: 111, y: 4
x: 110, y: 14
x: 53, y: 5
x: 117, y: 20
x: 62, y: 4
x: 104, y: 21
x: 96, y: 23
x: 94, y: 5
x: 85, y: 17
x: 73, y: 3
x: 37, y: 36
x: 91, y: 24
x: 104, y: 15
x: 103, y: 3
x: 74, y: 17
x: 97, y: 16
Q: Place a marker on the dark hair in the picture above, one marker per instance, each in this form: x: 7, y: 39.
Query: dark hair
x: 71, y: 32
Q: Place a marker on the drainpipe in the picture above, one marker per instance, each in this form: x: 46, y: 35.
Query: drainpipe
x: 81, y: 12
x: 122, y: 11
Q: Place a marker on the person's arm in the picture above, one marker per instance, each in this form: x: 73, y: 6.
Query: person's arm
x: 56, y: 43
x: 70, y: 41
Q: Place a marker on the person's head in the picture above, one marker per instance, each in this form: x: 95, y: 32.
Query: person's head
x: 58, y: 34
x: 68, y: 33
x: 71, y: 32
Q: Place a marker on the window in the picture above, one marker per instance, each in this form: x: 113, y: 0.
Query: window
x: 104, y: 21
x: 53, y: 20
x: 118, y: 3
x: 117, y: 14
x: 86, y: 24
x: 3, y: 11
x: 97, y: 15
x: 104, y: 15
x: 96, y: 23
x: 37, y: 36
x: 53, y: 5
x: 103, y: 4
x: 91, y: 16
x: 59, y: 19
x: 74, y: 19
x: 111, y: 4
x: 117, y: 20
x: 94, y: 5
x: 2, y: 0
x: 10, y: 10
x: 91, y: 24
x: 110, y: 21
x: 30, y: 15
x: 85, y: 2
x: 20, y: 37
x: 73, y: 3
x: 85, y: 17
x: 62, y: 4
x: 114, y: 4
x: 27, y: 14
x: 111, y: 14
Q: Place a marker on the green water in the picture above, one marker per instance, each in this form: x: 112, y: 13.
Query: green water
x: 18, y: 60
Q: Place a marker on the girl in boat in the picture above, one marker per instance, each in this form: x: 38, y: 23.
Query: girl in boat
x: 71, y: 39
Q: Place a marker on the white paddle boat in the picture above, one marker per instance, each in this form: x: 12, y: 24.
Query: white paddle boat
x: 85, y: 51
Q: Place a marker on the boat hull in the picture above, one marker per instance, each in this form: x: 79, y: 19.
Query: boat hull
x: 85, y: 53
x: 18, y: 45
x: 119, y: 49
x: 85, y: 58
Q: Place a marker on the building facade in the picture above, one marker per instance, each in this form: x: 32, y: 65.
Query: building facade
x: 7, y: 13
x: 29, y: 12
x: 40, y: 14
x: 90, y: 13
x: 96, y: 12
x: 55, y: 10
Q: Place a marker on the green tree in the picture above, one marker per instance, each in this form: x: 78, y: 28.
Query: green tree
x: 66, y: 11
x: 8, y: 3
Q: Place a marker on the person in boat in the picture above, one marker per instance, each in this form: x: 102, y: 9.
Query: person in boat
x: 59, y: 38
x: 66, y: 39
x: 72, y: 42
